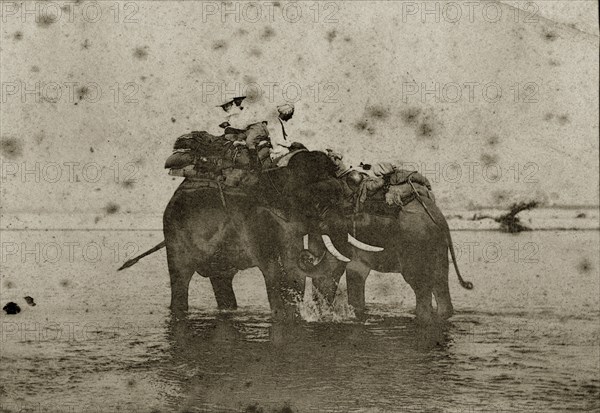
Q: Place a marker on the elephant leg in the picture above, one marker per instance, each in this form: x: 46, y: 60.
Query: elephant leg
x: 441, y: 291
x: 356, y: 276
x: 223, y: 288
x: 420, y: 270
x: 284, y: 290
x: 424, y: 309
x: 421, y: 281
x: 180, y: 273
x: 445, y: 310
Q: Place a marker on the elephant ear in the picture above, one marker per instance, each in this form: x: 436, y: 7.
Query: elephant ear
x: 313, y: 191
x: 326, y: 193
x: 311, y: 167
x: 313, y: 198
x: 312, y: 181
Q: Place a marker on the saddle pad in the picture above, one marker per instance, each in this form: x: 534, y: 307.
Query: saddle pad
x: 391, y: 202
x: 179, y: 160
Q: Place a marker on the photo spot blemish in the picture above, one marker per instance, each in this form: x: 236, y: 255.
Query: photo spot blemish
x: 141, y: 52
x: 11, y: 148
x: 111, y: 208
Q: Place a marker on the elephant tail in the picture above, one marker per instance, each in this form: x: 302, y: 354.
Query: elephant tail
x: 134, y: 260
x: 465, y: 284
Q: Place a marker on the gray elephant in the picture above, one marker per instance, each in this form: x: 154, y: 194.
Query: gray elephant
x: 216, y: 232
x: 414, y: 242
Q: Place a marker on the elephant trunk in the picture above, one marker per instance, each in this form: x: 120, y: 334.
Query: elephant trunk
x: 307, y: 261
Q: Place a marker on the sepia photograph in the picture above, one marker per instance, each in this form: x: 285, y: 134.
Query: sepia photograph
x: 312, y: 206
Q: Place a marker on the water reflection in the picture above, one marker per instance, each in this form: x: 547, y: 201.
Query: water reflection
x: 221, y: 363
x: 525, y: 340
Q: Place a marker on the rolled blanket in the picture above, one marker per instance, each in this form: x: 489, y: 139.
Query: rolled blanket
x: 195, y: 140
x: 400, y: 176
x: 396, y: 175
x: 368, y: 186
x: 402, y: 194
x: 179, y: 160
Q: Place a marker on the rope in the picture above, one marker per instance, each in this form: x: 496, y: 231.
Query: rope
x: 222, y: 195
x: 273, y: 184
x: 418, y: 196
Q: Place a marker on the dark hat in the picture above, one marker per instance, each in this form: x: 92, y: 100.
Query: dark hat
x: 237, y: 101
x: 296, y: 146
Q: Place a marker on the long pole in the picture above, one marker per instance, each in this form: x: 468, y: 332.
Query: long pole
x: 132, y: 261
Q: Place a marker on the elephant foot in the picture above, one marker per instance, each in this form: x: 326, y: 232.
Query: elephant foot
x: 425, y: 320
x: 425, y: 317
x: 445, y: 313
x: 228, y: 307
x: 361, y: 316
x: 360, y: 313
x: 287, y: 314
x: 178, y: 309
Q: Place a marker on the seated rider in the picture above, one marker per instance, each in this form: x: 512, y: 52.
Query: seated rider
x: 264, y: 129
x: 246, y: 145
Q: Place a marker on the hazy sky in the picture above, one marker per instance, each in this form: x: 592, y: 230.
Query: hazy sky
x: 493, y: 103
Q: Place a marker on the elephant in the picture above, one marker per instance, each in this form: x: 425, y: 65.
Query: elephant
x: 414, y: 243
x: 216, y: 232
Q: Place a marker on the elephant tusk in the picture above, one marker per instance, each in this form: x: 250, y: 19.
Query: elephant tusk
x: 332, y: 250
x: 361, y: 245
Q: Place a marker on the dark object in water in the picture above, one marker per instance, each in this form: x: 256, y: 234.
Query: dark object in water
x: 509, y: 222
x: 30, y: 301
x: 256, y: 408
x: 12, y: 308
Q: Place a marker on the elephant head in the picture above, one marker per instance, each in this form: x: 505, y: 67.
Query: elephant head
x: 317, y: 200
x: 300, y: 229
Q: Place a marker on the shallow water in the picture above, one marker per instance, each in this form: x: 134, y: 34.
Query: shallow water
x: 525, y: 339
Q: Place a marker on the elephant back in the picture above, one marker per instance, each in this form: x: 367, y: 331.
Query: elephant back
x: 385, y: 195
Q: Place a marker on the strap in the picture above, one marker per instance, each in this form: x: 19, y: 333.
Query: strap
x: 222, y: 194
x: 419, y: 199
x: 282, y: 129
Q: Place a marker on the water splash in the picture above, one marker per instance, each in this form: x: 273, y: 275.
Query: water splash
x: 315, y: 308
